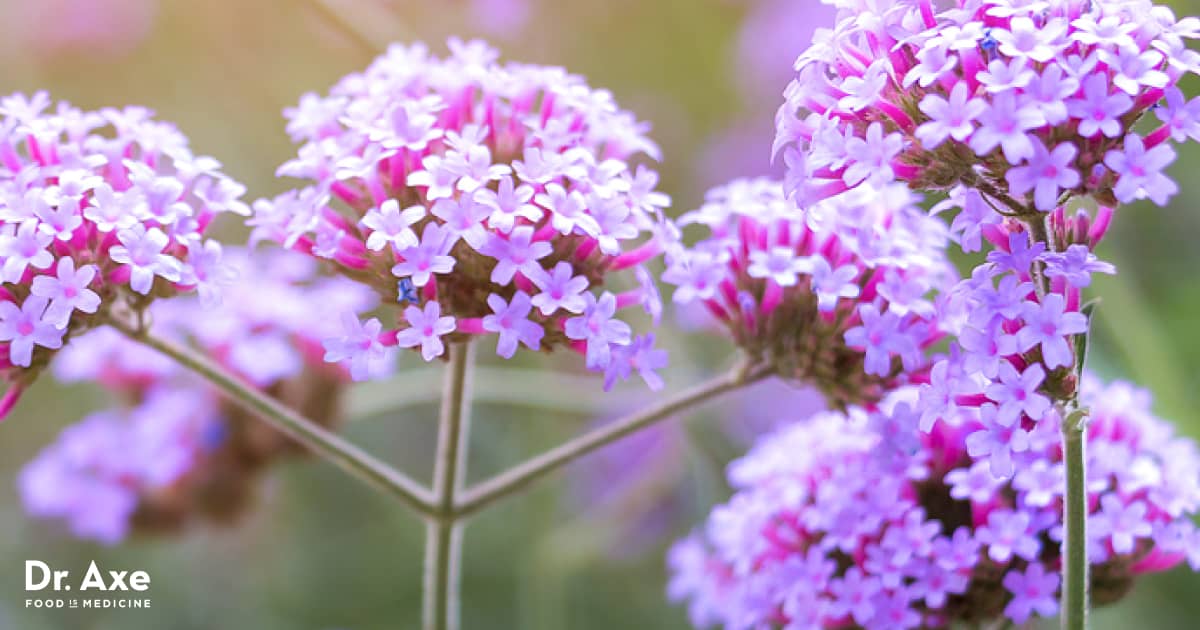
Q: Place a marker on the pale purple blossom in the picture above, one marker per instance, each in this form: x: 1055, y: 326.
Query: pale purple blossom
x: 391, y: 226
x: 1048, y: 324
x: 67, y: 289
x: 1034, y: 590
x: 1046, y: 173
x: 27, y: 326
x: 1076, y: 265
x: 511, y: 321
x: 949, y: 118
x: 141, y: 250
x: 1139, y: 171
x: 426, y: 327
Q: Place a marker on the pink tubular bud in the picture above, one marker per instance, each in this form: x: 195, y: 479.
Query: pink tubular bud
x: 1100, y: 226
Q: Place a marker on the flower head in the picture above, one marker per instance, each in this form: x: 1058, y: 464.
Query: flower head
x: 839, y: 296
x: 481, y: 186
x: 98, y: 209
x: 174, y: 450
x: 828, y: 510
x: 1029, y: 103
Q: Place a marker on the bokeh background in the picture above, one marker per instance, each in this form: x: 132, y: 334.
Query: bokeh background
x: 585, y: 550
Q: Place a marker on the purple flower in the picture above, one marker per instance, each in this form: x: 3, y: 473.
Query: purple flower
x: 977, y: 483
x: 390, y: 226
x: 1026, y: 39
x: 598, y: 329
x: 67, y: 291
x: 997, y: 442
x: 359, y: 344
x: 830, y: 285
x: 142, y: 251
x: 871, y: 157
x: 1046, y: 173
x: 639, y: 355
x: 26, y: 326
x: 1139, y: 171
x: 779, y: 264
x: 1047, y: 325
x: 893, y: 611
x: 932, y: 63
x: 1180, y: 115
x: 985, y: 349
x: 1135, y: 68
x: 60, y: 222
x: 1034, y: 590
x: 426, y: 327
x: 1040, y: 484
x: 1097, y: 110
x: 23, y: 249
x: 1007, y: 124
x: 1021, y: 254
x: 1017, y: 393
x: 1076, y: 265
x: 560, y: 289
x: 511, y: 321
x: 854, y: 595
x: 1121, y: 522
x: 463, y: 219
x: 431, y: 256
x: 881, y: 337
x: 1008, y: 533
x: 953, y: 118
x: 937, y: 397
x: 516, y: 253
x: 508, y: 203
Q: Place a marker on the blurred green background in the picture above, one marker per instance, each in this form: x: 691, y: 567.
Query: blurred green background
x: 585, y: 550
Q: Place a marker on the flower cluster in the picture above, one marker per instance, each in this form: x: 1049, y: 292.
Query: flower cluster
x: 97, y: 210
x: 839, y: 297
x: 836, y: 523
x: 477, y: 198
x: 1016, y: 354
x: 176, y: 450
x: 1028, y: 102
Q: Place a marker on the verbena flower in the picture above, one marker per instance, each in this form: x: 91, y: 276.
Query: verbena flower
x: 97, y: 209
x: 840, y: 297
x: 459, y: 184
x: 175, y: 451
x: 1027, y: 102
x: 1015, y: 350
x: 833, y: 524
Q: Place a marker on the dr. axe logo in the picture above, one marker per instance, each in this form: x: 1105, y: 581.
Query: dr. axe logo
x: 39, y: 576
x: 56, y: 589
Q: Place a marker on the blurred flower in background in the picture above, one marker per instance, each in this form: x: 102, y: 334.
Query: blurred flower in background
x: 173, y: 451
x: 500, y: 18
x: 55, y: 28
x: 101, y: 212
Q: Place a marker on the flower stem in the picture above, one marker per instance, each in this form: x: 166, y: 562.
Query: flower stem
x: 1075, y: 509
x: 520, y: 476
x: 1075, y: 578
x: 443, y: 542
x: 328, y: 445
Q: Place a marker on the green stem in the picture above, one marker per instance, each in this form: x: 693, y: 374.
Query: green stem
x: 443, y: 543
x: 1075, y: 509
x: 522, y: 475
x: 1075, y: 500
x: 328, y: 445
